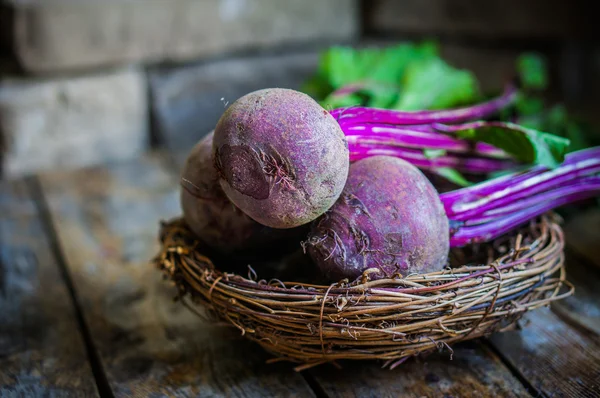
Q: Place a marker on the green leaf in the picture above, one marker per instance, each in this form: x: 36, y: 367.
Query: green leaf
x: 576, y: 135
x: 377, y: 95
x: 533, y: 71
x: 317, y: 87
x: 528, y: 105
x: 433, y: 153
x: 560, y: 123
x: 392, y: 62
x: 557, y: 120
x: 453, y: 175
x: 510, y: 170
x: 433, y: 84
x: 345, y: 65
x: 341, y: 101
x: 378, y: 71
x: 526, y: 145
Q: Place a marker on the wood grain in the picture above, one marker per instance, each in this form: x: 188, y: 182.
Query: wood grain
x: 582, y: 310
x: 556, y: 359
x: 41, y: 351
x: 107, y: 220
x: 473, y: 371
x: 558, y: 351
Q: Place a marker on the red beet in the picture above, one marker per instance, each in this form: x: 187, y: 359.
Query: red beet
x: 281, y: 157
x: 389, y: 219
x: 208, y: 212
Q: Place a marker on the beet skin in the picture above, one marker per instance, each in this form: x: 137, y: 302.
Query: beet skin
x: 282, y: 158
x: 388, y: 219
x: 210, y: 215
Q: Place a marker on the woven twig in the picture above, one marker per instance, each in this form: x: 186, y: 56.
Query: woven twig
x: 388, y: 319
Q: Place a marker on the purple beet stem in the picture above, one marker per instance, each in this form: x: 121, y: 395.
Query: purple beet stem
x: 372, y: 131
x: 486, y: 211
x: 417, y: 158
x: 362, y: 115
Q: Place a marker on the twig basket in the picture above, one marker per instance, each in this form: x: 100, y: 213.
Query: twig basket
x: 389, y: 319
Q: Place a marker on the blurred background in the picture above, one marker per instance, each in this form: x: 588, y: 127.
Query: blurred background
x: 87, y: 82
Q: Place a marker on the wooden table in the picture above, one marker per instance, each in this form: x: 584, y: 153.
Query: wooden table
x: 82, y: 313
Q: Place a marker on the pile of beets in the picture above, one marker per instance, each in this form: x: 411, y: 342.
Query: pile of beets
x: 278, y: 165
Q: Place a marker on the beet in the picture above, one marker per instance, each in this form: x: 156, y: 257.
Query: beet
x: 211, y: 216
x: 389, y: 218
x: 282, y: 158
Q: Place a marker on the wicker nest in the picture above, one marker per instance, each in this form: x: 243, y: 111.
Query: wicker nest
x: 389, y: 319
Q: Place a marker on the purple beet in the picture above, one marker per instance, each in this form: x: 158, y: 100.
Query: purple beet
x: 282, y: 158
x: 389, y: 219
x: 210, y: 215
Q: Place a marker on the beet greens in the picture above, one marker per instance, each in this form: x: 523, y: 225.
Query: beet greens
x: 452, y: 138
x: 407, y: 101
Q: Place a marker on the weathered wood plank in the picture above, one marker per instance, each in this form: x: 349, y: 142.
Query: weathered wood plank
x: 473, y: 372
x: 107, y: 220
x: 556, y: 359
x: 583, y: 270
x: 583, y: 308
x: 558, y: 351
x: 41, y: 350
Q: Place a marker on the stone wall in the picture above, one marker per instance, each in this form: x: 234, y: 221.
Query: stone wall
x: 90, y: 81
x: 53, y: 36
x: 73, y: 121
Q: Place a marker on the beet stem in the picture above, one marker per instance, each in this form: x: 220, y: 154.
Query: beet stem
x: 472, y: 164
x: 486, y: 211
x: 374, y: 131
x: 409, y: 137
x: 361, y: 115
x: 523, y: 189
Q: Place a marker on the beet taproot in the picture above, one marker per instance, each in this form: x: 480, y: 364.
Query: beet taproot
x: 208, y: 212
x: 282, y: 159
x: 389, y: 220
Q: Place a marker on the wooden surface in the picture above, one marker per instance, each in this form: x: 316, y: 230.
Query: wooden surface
x: 583, y: 308
x: 473, y: 371
x: 558, y: 350
x: 106, y: 219
x: 553, y: 357
x: 41, y: 349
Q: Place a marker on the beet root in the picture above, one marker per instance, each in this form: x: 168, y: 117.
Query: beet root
x: 281, y: 157
x: 389, y: 220
x: 211, y: 216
